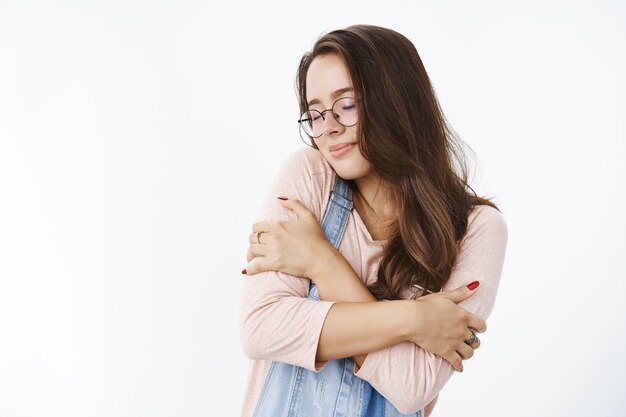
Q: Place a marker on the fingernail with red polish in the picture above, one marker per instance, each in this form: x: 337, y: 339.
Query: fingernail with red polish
x: 283, y: 198
x: 244, y: 272
x: 473, y: 285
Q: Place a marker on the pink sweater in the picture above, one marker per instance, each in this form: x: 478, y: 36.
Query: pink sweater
x: 279, y: 323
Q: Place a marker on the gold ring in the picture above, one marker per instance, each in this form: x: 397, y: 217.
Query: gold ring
x: 258, y: 237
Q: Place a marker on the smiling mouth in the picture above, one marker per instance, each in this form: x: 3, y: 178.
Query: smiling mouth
x: 341, y: 147
x: 344, y: 149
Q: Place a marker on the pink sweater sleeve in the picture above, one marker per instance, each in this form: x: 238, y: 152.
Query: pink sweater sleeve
x: 410, y: 377
x: 277, y: 321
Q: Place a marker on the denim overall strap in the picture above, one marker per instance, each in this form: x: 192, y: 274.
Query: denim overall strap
x: 335, y: 220
x: 334, y: 391
x: 336, y: 215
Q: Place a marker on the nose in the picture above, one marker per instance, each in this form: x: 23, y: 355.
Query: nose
x: 330, y: 125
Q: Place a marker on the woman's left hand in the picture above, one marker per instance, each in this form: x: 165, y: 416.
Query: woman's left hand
x: 293, y: 247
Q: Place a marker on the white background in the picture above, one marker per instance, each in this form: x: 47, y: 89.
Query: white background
x: 138, y: 138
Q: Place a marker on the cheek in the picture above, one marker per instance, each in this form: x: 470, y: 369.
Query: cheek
x: 363, y: 168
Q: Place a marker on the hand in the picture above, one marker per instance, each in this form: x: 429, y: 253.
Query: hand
x: 293, y: 247
x: 442, y: 327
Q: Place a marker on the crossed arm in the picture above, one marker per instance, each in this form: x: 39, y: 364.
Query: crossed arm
x: 388, y: 339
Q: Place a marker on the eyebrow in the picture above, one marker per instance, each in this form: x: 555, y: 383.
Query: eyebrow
x: 333, y: 94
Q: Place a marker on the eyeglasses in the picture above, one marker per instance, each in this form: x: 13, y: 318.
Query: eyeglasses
x: 344, y: 111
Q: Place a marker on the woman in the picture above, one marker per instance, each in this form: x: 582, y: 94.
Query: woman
x: 405, y: 223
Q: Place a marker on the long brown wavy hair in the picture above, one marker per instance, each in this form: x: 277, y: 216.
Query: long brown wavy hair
x: 405, y: 136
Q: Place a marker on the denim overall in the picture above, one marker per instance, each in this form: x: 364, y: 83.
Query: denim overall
x: 293, y: 391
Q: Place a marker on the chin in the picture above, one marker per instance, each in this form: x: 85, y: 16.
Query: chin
x: 349, y: 168
x: 350, y: 172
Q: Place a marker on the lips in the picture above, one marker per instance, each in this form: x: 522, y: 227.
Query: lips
x: 340, y: 150
x: 340, y: 146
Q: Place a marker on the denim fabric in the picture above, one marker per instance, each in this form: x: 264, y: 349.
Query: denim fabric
x: 293, y: 391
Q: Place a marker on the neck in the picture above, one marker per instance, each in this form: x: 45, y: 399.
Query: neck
x: 372, y: 191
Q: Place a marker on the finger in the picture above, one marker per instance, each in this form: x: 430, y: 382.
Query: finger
x: 455, y: 360
x: 263, y: 227
x: 477, y: 323
x: 254, y: 238
x: 476, y: 344
x: 461, y: 293
x: 301, y: 211
x: 255, y: 250
x: 465, y: 350
x: 258, y: 264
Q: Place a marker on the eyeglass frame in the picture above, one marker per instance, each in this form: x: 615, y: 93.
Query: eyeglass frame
x: 324, y: 118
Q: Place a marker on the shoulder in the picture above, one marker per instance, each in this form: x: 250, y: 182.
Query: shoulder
x: 484, y: 218
x: 304, y: 175
x: 486, y: 223
x: 308, y: 161
x: 307, y: 169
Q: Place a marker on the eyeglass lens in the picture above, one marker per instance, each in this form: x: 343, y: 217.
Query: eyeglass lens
x: 343, y: 110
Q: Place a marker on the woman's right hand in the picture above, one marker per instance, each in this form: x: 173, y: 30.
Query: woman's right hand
x: 440, y: 326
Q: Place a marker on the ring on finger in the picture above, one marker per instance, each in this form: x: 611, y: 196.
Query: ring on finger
x: 258, y: 236
x: 472, y: 338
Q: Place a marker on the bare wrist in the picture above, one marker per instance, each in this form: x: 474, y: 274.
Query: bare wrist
x: 325, y: 261
x: 402, y: 328
x: 410, y: 327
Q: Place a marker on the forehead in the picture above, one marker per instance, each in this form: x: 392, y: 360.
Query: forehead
x: 327, y: 73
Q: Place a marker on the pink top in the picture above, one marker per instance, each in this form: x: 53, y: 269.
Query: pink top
x: 279, y: 323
